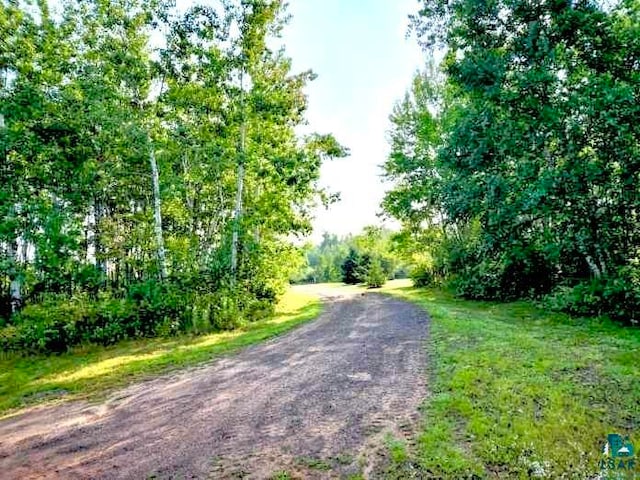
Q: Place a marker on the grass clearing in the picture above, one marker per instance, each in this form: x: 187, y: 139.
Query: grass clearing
x: 517, y: 392
x: 91, y: 371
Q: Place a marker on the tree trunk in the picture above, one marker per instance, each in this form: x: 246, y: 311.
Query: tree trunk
x: 15, y: 287
x: 237, y: 211
x: 157, y: 216
x: 597, y: 273
x: 98, y: 249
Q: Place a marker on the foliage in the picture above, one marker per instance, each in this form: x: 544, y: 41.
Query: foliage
x: 517, y: 156
x: 375, y: 275
x: 323, y: 262
x: 422, y: 275
x: 348, y: 259
x: 616, y: 295
x: 134, y: 171
x: 353, y: 268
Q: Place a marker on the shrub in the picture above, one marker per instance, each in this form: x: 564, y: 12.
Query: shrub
x: 59, y: 323
x: 422, y: 275
x: 352, y: 271
x: 145, y: 309
x: 616, y: 295
x: 503, y: 278
x: 52, y: 325
x: 216, y: 311
x: 375, y: 276
x: 583, y: 299
x: 8, y: 339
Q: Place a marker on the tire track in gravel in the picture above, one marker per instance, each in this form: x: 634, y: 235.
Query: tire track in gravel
x: 316, y: 402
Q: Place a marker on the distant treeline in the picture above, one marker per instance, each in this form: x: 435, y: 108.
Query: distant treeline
x: 368, y: 257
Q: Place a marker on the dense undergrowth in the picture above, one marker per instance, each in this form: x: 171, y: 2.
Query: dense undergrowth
x: 148, y: 309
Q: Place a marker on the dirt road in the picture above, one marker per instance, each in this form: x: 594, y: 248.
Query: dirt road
x: 316, y: 403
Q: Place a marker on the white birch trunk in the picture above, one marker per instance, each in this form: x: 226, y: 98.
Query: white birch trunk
x: 593, y: 266
x: 98, y: 249
x: 157, y: 216
x: 237, y: 211
x: 15, y: 287
x: 90, y: 233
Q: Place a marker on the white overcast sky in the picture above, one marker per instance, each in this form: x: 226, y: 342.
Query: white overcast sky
x: 364, y: 64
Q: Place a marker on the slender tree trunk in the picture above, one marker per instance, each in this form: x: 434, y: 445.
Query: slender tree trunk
x: 256, y: 229
x: 593, y: 266
x: 24, y: 250
x: 15, y: 287
x: 237, y: 211
x: 189, y: 198
x: 98, y: 249
x: 157, y: 216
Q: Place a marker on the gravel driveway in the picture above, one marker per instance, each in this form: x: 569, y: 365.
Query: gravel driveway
x: 317, y: 402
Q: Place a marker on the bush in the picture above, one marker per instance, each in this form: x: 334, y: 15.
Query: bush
x: 146, y: 309
x: 584, y: 299
x: 59, y: 323
x: 216, y: 311
x: 352, y: 268
x: 422, y: 275
x: 481, y: 281
x: 616, y: 295
x: 157, y: 304
x: 375, y: 276
x: 504, y: 278
x: 8, y: 339
x: 51, y: 326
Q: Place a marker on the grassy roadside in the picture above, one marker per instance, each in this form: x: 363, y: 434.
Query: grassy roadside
x: 516, y: 392
x: 91, y: 371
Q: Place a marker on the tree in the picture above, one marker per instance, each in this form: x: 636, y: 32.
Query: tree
x: 352, y: 268
x: 166, y: 175
x: 375, y: 276
x: 525, y: 153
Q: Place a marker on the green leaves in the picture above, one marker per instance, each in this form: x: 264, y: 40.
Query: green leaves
x: 123, y: 129
x: 534, y: 139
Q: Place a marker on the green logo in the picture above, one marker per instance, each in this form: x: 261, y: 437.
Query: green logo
x: 618, y: 454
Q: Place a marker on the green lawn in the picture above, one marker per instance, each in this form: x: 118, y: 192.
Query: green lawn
x: 92, y: 371
x: 517, y: 392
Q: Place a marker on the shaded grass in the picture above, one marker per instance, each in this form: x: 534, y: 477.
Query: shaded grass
x: 92, y: 371
x: 517, y: 392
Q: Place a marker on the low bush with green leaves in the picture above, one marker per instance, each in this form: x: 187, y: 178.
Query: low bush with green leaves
x: 617, y: 295
x: 422, y: 275
x: 146, y: 309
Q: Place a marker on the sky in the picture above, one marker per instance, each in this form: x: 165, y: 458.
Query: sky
x: 364, y: 64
